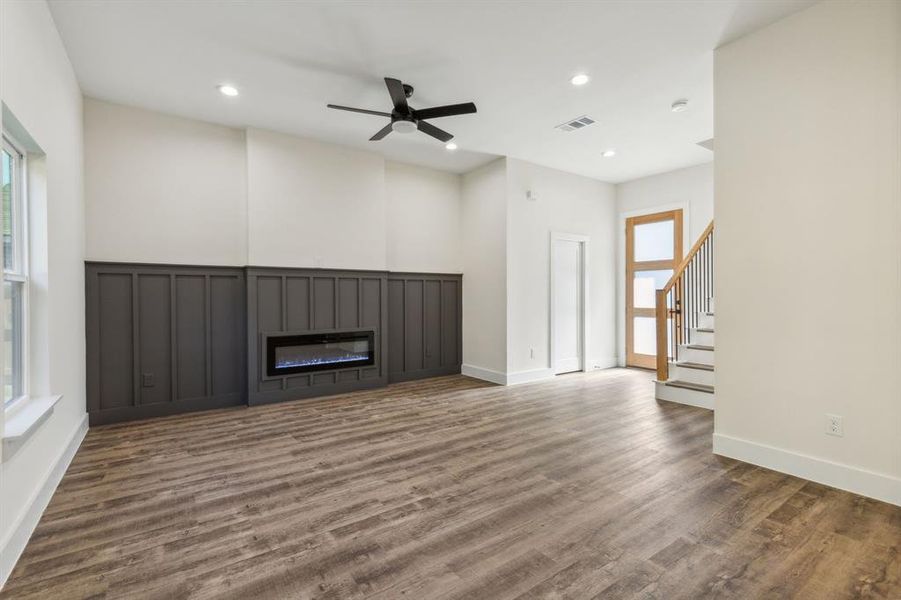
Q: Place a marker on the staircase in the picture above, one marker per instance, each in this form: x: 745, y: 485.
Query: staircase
x: 685, y: 329
x: 690, y: 377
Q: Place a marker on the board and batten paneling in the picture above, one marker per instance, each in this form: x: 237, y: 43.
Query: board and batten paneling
x: 163, y: 340
x: 298, y: 301
x: 425, y: 331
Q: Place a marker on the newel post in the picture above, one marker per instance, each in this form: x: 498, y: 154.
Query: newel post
x: 662, y: 341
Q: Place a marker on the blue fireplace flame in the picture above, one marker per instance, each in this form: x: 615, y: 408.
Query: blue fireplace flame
x: 290, y: 363
x: 309, y: 352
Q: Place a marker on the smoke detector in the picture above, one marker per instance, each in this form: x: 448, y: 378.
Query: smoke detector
x: 679, y: 105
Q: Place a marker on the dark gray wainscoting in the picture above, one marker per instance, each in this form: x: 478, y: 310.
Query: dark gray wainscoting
x: 163, y: 340
x: 425, y: 325
x: 167, y: 339
x: 299, y: 301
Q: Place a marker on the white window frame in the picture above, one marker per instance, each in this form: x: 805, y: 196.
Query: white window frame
x: 19, y: 271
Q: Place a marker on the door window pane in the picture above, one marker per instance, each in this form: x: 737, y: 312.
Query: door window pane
x: 654, y: 241
x: 644, y: 335
x: 645, y: 286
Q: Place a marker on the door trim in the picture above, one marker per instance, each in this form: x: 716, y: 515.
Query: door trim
x: 584, y: 244
x: 676, y: 215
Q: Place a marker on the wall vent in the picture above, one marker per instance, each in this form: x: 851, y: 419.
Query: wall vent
x: 577, y: 123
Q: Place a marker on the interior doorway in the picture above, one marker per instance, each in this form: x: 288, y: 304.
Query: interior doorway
x: 653, y: 251
x: 569, y: 299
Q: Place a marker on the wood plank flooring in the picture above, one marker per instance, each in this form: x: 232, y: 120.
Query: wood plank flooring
x: 582, y: 487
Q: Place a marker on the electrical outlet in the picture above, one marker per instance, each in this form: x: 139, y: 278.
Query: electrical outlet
x: 147, y: 379
x: 834, y: 425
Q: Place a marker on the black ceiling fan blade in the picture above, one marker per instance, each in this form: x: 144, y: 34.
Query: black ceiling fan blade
x: 360, y: 110
x: 429, y: 129
x: 398, y: 95
x: 381, y: 133
x: 445, y: 111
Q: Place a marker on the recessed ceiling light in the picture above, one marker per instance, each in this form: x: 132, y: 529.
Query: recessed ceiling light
x: 679, y: 105
x: 609, y: 153
x: 450, y: 146
x: 580, y: 79
x: 228, y: 90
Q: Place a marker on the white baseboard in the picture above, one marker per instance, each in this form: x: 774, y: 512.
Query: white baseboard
x: 529, y: 376
x: 844, y: 477
x: 12, y: 547
x: 597, y: 364
x: 484, y: 374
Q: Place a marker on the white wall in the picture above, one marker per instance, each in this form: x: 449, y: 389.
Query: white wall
x: 312, y: 204
x: 423, y: 219
x: 163, y: 189
x: 808, y: 209
x: 40, y: 89
x: 569, y: 204
x: 484, y: 222
x: 690, y: 189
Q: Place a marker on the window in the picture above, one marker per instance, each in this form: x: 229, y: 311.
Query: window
x: 15, y: 271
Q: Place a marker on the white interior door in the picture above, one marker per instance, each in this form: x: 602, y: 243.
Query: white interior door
x: 568, y: 306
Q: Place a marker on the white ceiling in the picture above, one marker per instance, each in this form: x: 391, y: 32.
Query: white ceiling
x: 513, y: 59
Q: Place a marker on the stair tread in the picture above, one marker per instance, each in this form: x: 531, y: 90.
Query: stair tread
x: 699, y: 347
x: 699, y: 387
x: 693, y: 365
x: 704, y: 329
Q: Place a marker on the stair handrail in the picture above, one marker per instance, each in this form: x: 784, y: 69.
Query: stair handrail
x: 703, y: 248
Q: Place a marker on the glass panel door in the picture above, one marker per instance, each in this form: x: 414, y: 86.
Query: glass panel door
x: 653, y: 251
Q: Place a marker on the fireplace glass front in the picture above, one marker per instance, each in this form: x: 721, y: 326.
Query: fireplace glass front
x: 287, y: 354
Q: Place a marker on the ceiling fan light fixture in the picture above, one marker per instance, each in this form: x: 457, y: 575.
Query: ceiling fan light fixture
x: 451, y: 146
x: 403, y: 126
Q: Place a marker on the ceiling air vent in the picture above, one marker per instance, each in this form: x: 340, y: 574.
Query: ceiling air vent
x: 578, y: 123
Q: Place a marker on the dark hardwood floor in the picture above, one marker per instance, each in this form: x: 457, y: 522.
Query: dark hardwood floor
x: 583, y: 487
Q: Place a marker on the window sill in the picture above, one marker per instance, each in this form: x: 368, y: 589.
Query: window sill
x: 23, y: 417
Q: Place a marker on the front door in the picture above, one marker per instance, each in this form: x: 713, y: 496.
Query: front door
x: 653, y: 251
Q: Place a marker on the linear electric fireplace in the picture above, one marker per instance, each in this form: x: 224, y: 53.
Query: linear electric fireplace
x: 287, y: 354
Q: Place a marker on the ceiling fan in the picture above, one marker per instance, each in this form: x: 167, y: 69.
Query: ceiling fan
x: 405, y: 119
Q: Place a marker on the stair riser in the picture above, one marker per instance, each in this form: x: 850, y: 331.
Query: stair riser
x: 684, y: 396
x: 705, y: 338
x: 706, y: 321
x: 704, y: 357
x: 691, y: 375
